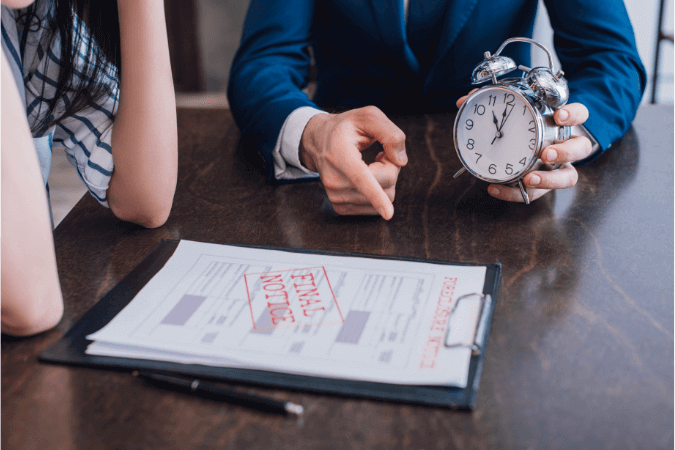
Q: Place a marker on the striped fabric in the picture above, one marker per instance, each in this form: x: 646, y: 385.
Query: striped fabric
x: 85, y: 136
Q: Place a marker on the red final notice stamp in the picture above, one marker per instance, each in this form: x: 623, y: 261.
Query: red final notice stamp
x: 291, y: 298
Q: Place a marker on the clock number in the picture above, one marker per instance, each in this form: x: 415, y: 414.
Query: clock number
x: 509, y: 169
x: 479, y: 156
x: 492, y: 169
x: 469, y: 144
x: 511, y: 98
x: 522, y: 161
x: 532, y: 141
x: 524, y: 109
x: 492, y: 100
x: 469, y: 124
x: 479, y: 109
x: 532, y: 129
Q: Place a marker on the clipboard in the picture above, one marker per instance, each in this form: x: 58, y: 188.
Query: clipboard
x: 70, y: 350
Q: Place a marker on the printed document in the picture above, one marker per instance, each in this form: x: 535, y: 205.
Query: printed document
x: 342, y: 317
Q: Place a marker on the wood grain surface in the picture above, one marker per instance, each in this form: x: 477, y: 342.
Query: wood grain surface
x: 581, y: 349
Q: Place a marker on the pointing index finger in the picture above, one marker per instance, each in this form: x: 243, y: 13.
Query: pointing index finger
x: 364, y: 181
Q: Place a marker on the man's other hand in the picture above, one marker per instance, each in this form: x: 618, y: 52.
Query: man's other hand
x: 331, y: 145
x: 538, y: 183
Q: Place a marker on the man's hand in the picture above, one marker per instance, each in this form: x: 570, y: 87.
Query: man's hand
x: 331, y: 145
x: 539, y: 183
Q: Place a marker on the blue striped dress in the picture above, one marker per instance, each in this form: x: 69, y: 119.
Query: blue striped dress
x: 85, y: 136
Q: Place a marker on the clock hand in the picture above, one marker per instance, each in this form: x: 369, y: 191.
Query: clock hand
x: 498, y: 133
x: 503, y: 117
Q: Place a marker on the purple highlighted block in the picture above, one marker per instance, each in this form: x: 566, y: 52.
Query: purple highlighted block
x: 264, y: 323
x: 351, y: 330
x: 183, y: 310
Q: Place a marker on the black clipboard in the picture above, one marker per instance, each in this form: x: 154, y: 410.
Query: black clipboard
x: 70, y: 350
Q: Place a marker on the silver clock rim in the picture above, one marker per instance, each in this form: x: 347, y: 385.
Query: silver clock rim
x: 539, y: 135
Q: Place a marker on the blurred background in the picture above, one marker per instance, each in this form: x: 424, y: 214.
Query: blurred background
x: 204, y: 36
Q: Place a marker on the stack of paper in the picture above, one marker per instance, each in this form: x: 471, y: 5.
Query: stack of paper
x: 330, y: 316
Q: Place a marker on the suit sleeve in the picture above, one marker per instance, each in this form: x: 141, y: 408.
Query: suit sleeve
x: 595, y: 44
x: 269, y: 71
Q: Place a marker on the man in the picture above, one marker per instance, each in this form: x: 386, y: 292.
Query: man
x: 409, y: 56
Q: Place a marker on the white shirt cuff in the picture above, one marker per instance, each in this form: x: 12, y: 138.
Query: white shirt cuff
x: 286, y: 157
x: 580, y: 130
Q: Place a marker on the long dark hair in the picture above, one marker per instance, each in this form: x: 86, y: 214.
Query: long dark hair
x: 97, y: 35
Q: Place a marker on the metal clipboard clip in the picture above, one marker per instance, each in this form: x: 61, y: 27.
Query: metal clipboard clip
x: 467, y: 322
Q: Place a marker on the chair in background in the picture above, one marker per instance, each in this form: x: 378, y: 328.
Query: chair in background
x: 183, y: 34
x: 660, y: 36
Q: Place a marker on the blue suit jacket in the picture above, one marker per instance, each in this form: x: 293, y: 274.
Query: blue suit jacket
x: 363, y: 59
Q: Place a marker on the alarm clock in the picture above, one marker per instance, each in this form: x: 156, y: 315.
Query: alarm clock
x: 501, y: 129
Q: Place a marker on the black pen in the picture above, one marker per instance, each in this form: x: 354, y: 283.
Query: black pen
x: 212, y: 391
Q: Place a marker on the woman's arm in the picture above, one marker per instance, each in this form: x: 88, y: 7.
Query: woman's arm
x: 144, y: 140
x: 31, y: 294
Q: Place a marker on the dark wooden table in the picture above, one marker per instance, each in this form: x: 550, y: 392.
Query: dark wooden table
x: 581, y: 349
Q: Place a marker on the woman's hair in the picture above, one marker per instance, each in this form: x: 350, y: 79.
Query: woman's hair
x: 84, y: 27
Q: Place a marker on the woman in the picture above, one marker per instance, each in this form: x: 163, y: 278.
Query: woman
x: 69, y: 69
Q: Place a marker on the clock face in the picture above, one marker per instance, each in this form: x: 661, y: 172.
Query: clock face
x: 496, y: 134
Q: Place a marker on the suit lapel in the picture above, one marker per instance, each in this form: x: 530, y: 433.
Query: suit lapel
x: 391, y: 24
x: 456, y: 17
